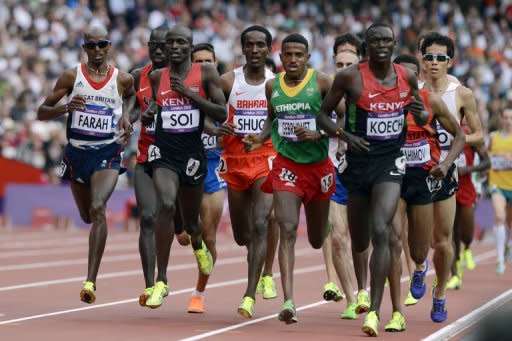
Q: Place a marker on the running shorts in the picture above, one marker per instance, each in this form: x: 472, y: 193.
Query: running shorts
x: 448, y: 186
x: 240, y: 172
x: 213, y: 182
x: 466, y: 195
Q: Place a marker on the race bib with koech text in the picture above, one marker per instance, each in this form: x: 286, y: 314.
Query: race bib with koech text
x: 384, y: 126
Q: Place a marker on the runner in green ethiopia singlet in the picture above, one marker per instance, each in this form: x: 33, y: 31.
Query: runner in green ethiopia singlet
x: 293, y: 106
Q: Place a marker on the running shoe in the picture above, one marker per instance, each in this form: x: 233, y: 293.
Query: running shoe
x: 204, y: 260
x: 454, y: 283
x: 350, y: 312
x: 371, y: 324
x: 269, y: 288
x: 397, y: 323
x: 332, y: 292
x: 196, y: 305
x: 246, y: 307
x: 409, y: 300
x: 160, y: 291
x: 418, y: 286
x: 500, y: 268
x: 363, y: 302
x: 288, y: 313
x: 145, y: 295
x: 88, y: 293
x: 468, y: 259
x: 438, y: 313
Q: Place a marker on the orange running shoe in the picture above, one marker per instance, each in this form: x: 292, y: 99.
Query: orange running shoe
x: 196, y: 305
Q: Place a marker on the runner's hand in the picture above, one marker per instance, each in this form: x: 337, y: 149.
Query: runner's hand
x: 77, y: 102
x: 226, y: 129
x: 251, y: 142
x: 357, y: 144
x: 148, y: 115
x: 306, y: 135
x: 342, y: 149
x: 440, y: 171
x: 416, y: 106
x: 126, y: 130
x: 177, y: 84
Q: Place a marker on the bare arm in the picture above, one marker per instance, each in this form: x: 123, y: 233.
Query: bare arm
x: 485, y: 160
x: 332, y: 99
x: 128, y: 93
x: 49, y: 110
x: 476, y: 138
x: 209, y: 127
x: 447, y: 121
x: 135, y: 111
x: 416, y: 107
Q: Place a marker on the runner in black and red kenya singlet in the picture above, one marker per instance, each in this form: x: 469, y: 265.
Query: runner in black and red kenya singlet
x: 377, y: 94
x: 144, y: 190
x: 177, y: 156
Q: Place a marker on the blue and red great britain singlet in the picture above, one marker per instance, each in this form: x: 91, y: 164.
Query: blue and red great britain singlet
x: 180, y: 123
x: 144, y: 94
x: 379, y: 115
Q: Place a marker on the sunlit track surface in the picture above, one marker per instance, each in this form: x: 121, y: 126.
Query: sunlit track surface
x: 41, y: 274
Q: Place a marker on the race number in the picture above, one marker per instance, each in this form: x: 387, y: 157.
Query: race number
x: 153, y: 153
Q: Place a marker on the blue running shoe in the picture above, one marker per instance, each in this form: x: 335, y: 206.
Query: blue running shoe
x: 418, y: 286
x: 438, y: 313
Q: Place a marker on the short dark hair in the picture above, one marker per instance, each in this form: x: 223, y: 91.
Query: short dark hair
x: 438, y: 39
x: 295, y: 38
x: 347, y: 38
x: 406, y: 58
x: 377, y: 25
x: 259, y: 28
x: 204, y: 47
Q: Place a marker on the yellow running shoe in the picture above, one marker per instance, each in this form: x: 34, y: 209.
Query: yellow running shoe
x: 259, y: 287
x: 269, y: 288
x: 160, y: 290
x: 454, y: 283
x: 468, y: 259
x: 371, y: 324
x: 397, y: 323
x: 246, y: 307
x: 350, y: 312
x: 363, y: 302
x: 88, y: 293
x: 204, y: 260
x: 332, y: 292
x: 145, y: 295
x: 288, y: 313
x: 409, y: 300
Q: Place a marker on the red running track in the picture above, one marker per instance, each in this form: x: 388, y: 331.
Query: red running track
x: 41, y: 274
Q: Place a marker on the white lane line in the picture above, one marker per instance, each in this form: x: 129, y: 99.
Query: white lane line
x: 138, y: 272
x: 470, y: 319
x: 177, y: 251
x: 132, y: 300
x: 59, y: 241
x: 264, y: 318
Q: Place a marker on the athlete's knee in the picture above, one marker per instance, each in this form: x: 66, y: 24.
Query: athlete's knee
x: 339, y: 242
x: 288, y: 231
x: 242, y: 238
x: 86, y: 217
x: 97, y: 210
x: 167, y: 208
x: 147, y: 221
x: 443, y: 245
x: 395, y: 243
x: 259, y: 228
x: 316, y: 241
x: 380, y: 235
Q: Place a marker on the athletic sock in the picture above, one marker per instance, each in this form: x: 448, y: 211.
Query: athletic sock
x: 198, y: 293
x: 500, y: 234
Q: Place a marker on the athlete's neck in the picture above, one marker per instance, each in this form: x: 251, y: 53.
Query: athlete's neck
x: 254, y: 75
x: 381, y: 70
x: 98, y: 69
x: 295, y: 80
x: 182, y: 68
x: 438, y: 85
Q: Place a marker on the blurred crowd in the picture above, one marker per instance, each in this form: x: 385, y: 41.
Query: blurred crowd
x: 40, y: 39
